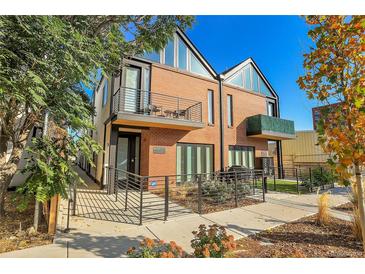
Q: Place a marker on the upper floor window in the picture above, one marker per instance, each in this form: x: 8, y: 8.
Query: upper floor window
x: 105, y: 92
x: 229, y: 110
x: 249, y: 79
x: 210, y: 107
x: 271, y: 109
x: 169, y: 53
x: 182, y: 54
x: 153, y: 56
x: 177, y: 54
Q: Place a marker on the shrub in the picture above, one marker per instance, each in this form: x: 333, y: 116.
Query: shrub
x: 212, y: 242
x: 320, y: 177
x: 323, y: 216
x: 156, y: 249
x: 218, y: 192
x: 355, y: 224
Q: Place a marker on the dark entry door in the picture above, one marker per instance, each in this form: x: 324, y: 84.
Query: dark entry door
x: 128, y: 152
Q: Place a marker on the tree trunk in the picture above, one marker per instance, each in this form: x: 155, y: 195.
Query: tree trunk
x: 7, y: 171
x: 360, y: 192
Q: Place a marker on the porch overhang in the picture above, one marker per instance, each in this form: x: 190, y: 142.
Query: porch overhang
x: 271, y: 128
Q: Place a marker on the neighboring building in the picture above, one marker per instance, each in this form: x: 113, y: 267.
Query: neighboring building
x: 169, y: 112
x: 317, y: 113
x: 303, y: 151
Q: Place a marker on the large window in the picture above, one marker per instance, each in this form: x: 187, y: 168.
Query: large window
x: 230, y: 110
x: 210, y: 107
x: 105, y: 92
x: 178, y: 54
x: 193, y: 159
x: 182, y: 61
x: 241, y: 156
x: 169, y: 53
x: 153, y: 56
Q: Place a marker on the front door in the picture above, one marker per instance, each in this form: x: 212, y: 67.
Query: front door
x: 128, y: 153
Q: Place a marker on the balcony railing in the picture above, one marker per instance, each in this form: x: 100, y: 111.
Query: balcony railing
x: 268, y: 127
x: 149, y: 103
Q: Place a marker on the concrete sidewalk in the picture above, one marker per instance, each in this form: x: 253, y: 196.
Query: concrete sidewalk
x: 102, y: 238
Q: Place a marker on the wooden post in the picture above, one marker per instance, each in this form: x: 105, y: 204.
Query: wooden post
x: 52, y: 223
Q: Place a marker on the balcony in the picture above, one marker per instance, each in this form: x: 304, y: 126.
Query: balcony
x: 149, y: 109
x: 268, y: 127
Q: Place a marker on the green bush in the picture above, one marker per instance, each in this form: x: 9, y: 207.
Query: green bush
x: 319, y: 178
x: 216, y: 191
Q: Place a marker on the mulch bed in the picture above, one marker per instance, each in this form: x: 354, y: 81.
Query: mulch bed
x: 14, y: 228
x: 302, y: 239
x: 209, y: 206
x: 347, y: 207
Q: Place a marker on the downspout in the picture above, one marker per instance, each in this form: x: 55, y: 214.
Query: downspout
x: 221, y: 126
x: 278, y: 146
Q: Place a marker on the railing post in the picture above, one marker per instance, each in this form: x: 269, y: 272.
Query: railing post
x: 310, y: 180
x: 263, y: 186
x: 274, y: 180
x: 74, y: 200
x: 141, y: 185
x: 126, y: 192
x: 166, y: 197
x: 235, y: 189
x: 178, y: 107
x: 296, y: 176
x: 199, y: 194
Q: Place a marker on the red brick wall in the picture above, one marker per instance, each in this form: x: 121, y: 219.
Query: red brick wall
x: 245, y: 104
x: 172, y: 82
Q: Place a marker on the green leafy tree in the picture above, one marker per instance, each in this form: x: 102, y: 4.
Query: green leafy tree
x: 335, y: 72
x: 46, y: 62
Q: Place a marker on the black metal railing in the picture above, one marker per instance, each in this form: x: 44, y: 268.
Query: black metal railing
x: 160, y: 197
x: 155, y: 104
x: 300, y: 179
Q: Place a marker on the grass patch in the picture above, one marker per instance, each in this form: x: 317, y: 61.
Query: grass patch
x: 283, y: 186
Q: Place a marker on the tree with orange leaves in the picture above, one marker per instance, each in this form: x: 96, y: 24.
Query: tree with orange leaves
x: 335, y: 73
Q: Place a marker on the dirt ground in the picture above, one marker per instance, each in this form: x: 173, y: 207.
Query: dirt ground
x: 302, y: 239
x: 14, y: 228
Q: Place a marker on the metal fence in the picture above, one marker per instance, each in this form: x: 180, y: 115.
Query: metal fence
x: 304, y: 179
x: 160, y: 197
x: 155, y: 104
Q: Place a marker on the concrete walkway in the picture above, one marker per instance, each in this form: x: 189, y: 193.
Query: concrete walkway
x: 107, y: 238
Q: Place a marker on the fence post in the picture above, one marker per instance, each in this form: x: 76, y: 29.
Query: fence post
x: 141, y: 185
x: 263, y: 186
x: 296, y: 176
x: 126, y: 192
x: 274, y: 181
x: 166, y: 197
x: 235, y: 189
x: 199, y: 194
x: 74, y: 200
x: 310, y: 179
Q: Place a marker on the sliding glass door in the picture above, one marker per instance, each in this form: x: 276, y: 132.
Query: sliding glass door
x: 193, y: 159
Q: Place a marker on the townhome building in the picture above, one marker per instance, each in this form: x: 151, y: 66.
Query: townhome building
x: 169, y: 112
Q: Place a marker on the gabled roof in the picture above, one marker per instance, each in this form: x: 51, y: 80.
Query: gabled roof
x: 231, y: 71
x: 197, y: 53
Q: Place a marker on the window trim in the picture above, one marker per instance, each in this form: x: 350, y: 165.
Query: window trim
x: 211, y: 107
x: 230, y: 110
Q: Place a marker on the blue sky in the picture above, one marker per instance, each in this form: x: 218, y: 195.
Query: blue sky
x: 276, y: 43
